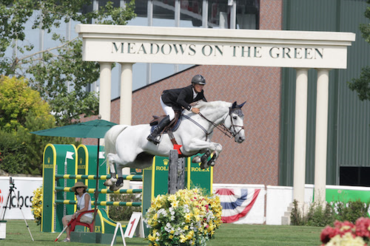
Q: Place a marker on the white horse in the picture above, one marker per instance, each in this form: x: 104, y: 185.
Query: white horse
x: 127, y: 146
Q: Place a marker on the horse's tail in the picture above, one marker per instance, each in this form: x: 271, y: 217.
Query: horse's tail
x: 110, y: 138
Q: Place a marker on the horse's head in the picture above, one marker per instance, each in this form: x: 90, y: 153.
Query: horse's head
x: 235, y: 122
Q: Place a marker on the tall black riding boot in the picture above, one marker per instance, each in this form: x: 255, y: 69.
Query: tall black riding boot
x: 154, y: 136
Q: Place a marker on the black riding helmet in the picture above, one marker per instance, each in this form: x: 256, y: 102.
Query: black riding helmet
x: 198, y: 79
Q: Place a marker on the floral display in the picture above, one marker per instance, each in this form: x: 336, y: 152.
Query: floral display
x: 37, y: 205
x: 347, y: 233
x: 184, y: 218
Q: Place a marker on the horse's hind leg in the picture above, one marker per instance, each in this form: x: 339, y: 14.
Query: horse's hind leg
x: 112, y: 169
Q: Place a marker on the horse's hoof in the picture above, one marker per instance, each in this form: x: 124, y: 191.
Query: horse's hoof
x: 115, y: 187
x: 211, y: 163
x: 119, y: 182
x: 196, y: 159
x: 203, y: 166
x: 108, y: 182
x: 119, y: 186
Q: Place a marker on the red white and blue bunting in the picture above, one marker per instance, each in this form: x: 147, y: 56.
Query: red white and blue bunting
x: 236, y: 203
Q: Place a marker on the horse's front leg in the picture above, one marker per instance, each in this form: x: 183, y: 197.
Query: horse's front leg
x: 212, y: 161
x: 112, y: 170
x: 197, y: 145
x: 113, y: 182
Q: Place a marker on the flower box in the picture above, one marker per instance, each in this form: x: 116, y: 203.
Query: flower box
x: 185, y: 218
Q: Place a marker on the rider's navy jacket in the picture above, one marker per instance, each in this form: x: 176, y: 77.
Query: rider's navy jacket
x: 181, y: 97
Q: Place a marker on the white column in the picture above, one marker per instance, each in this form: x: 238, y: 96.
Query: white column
x: 177, y: 24
x: 300, y: 135
x: 150, y: 23
x: 126, y: 106
x: 105, y: 90
x: 126, y: 94
x: 205, y: 14
x: 232, y: 3
x: 321, y: 140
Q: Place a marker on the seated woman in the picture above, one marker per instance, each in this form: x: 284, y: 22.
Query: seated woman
x: 83, y: 204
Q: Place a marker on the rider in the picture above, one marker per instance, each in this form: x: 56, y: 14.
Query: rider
x: 176, y: 99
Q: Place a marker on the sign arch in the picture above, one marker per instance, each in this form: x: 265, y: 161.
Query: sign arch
x: 301, y: 50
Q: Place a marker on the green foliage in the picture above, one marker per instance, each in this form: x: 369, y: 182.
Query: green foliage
x: 295, y: 216
x: 17, y: 100
x: 352, y: 211
x: 51, y: 72
x: 12, y: 153
x: 320, y: 215
x: 365, y: 28
x: 35, y: 145
x: 23, y: 111
x: 362, y: 85
x: 120, y: 213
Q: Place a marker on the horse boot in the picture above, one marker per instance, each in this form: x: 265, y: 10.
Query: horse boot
x: 154, y: 136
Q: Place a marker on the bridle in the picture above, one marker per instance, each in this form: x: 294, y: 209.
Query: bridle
x: 231, y: 131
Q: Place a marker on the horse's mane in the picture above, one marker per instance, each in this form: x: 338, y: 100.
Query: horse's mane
x: 213, y: 104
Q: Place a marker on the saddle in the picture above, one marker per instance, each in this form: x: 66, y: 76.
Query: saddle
x: 170, y: 128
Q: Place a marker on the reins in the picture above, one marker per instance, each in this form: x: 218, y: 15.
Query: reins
x: 220, y: 127
x: 223, y: 128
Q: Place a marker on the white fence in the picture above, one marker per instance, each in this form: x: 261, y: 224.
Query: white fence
x: 269, y: 207
x: 22, y: 196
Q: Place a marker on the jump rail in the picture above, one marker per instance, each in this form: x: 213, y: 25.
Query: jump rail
x: 130, y: 204
x: 101, y: 177
x: 104, y: 191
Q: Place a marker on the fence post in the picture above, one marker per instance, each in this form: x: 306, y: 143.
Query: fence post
x: 172, y: 172
x: 181, y: 173
x: 176, y: 172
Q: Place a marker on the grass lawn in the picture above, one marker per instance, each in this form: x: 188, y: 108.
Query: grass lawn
x: 228, y: 235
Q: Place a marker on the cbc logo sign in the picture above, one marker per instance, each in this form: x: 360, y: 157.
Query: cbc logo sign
x: 16, y: 200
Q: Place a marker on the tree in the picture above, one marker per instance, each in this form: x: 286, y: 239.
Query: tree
x: 51, y: 71
x: 362, y: 85
x: 17, y: 101
x: 22, y: 111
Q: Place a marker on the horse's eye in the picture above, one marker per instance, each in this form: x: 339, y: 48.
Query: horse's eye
x: 235, y: 118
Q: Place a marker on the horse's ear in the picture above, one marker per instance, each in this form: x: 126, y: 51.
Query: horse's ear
x: 234, y: 105
x: 241, y: 105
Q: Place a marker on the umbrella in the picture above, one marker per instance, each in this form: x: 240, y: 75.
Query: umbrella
x: 90, y: 129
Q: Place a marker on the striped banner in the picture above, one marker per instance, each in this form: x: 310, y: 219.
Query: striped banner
x: 236, y: 203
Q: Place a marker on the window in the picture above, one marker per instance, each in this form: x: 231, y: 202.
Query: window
x: 355, y: 176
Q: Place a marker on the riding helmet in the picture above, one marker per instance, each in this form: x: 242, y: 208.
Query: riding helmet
x: 198, y: 79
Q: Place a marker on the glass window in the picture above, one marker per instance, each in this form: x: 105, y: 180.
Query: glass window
x: 164, y: 13
x: 141, y: 11
x: 247, y: 14
x: 191, y: 13
x: 141, y: 8
x: 218, y: 14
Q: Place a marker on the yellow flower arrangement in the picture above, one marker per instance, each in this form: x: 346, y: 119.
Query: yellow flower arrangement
x: 37, y: 205
x: 184, y: 218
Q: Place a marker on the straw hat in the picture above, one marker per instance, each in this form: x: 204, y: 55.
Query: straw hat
x: 77, y: 185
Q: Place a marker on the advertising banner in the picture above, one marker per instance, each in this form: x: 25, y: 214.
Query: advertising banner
x: 20, y: 199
